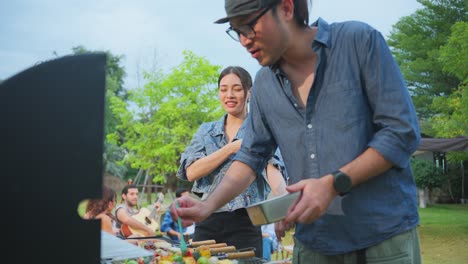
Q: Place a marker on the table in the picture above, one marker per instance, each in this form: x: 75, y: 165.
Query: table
x: 114, y: 249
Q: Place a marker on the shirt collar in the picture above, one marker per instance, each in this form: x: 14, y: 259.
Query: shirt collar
x: 218, y: 129
x: 323, y: 32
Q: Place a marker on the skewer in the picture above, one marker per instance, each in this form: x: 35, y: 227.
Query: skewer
x: 218, y: 245
x: 237, y: 255
x: 222, y: 249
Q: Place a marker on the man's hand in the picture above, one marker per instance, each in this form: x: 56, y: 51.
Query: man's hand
x: 234, y: 146
x: 158, y: 206
x: 280, y: 229
x: 150, y: 232
x: 316, y: 196
x: 190, y: 210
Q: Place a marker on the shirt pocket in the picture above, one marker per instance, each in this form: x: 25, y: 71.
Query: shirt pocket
x: 342, y: 103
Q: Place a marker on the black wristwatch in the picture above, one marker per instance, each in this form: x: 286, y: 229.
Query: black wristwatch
x: 342, y: 182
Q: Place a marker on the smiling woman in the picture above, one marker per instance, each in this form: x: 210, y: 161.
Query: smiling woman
x: 210, y: 154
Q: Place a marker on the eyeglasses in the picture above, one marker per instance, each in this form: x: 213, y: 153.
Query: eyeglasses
x: 247, y: 29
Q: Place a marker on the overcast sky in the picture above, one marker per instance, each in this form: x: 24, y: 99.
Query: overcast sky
x: 151, y: 33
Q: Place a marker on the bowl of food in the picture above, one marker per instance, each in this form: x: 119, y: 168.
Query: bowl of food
x: 271, y: 210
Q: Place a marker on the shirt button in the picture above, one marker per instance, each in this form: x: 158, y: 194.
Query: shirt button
x: 312, y: 156
x: 309, y: 126
x: 295, y: 105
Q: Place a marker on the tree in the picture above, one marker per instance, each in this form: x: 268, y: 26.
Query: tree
x: 167, y: 112
x: 430, y: 47
x: 427, y: 177
x: 451, y: 119
x: 115, y: 74
x: 416, y: 42
x: 454, y: 54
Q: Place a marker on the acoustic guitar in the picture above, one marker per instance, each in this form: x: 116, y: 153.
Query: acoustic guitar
x: 144, y: 216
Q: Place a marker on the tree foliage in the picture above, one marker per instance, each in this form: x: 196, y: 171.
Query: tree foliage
x: 416, y: 42
x: 454, y: 54
x: 451, y: 118
x: 115, y: 74
x: 431, y: 48
x: 161, y: 117
x: 426, y: 174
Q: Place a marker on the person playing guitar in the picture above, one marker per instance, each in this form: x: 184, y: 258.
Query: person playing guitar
x: 126, y: 212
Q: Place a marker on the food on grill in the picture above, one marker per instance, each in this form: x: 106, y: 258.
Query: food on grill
x: 167, y: 253
x: 202, y: 260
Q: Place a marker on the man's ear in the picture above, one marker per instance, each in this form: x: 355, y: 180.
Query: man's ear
x: 286, y: 8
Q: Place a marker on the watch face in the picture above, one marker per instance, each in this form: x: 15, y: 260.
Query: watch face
x: 342, y: 183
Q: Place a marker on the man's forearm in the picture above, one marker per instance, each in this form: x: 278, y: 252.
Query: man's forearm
x: 237, y: 179
x: 368, y: 165
x: 173, y: 233
x: 137, y: 225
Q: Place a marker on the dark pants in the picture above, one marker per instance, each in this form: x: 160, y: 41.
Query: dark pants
x: 233, y: 228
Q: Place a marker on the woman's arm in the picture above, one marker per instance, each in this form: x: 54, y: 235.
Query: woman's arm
x: 276, y: 174
x: 106, y: 223
x: 208, y: 164
x: 275, y: 180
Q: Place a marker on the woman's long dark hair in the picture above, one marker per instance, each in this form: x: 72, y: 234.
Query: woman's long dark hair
x: 98, y: 206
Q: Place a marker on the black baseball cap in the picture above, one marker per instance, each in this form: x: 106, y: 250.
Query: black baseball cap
x: 236, y: 8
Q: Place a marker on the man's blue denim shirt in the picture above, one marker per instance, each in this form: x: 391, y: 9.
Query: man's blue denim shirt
x: 358, y: 100
x: 208, y: 139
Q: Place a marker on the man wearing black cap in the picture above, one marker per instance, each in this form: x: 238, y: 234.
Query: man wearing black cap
x: 345, y: 124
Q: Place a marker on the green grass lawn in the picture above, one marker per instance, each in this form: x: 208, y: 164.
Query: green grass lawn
x: 443, y: 232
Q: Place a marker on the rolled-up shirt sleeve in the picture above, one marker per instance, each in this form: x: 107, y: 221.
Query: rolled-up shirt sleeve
x: 195, y: 151
x: 394, y: 117
x: 258, y: 145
